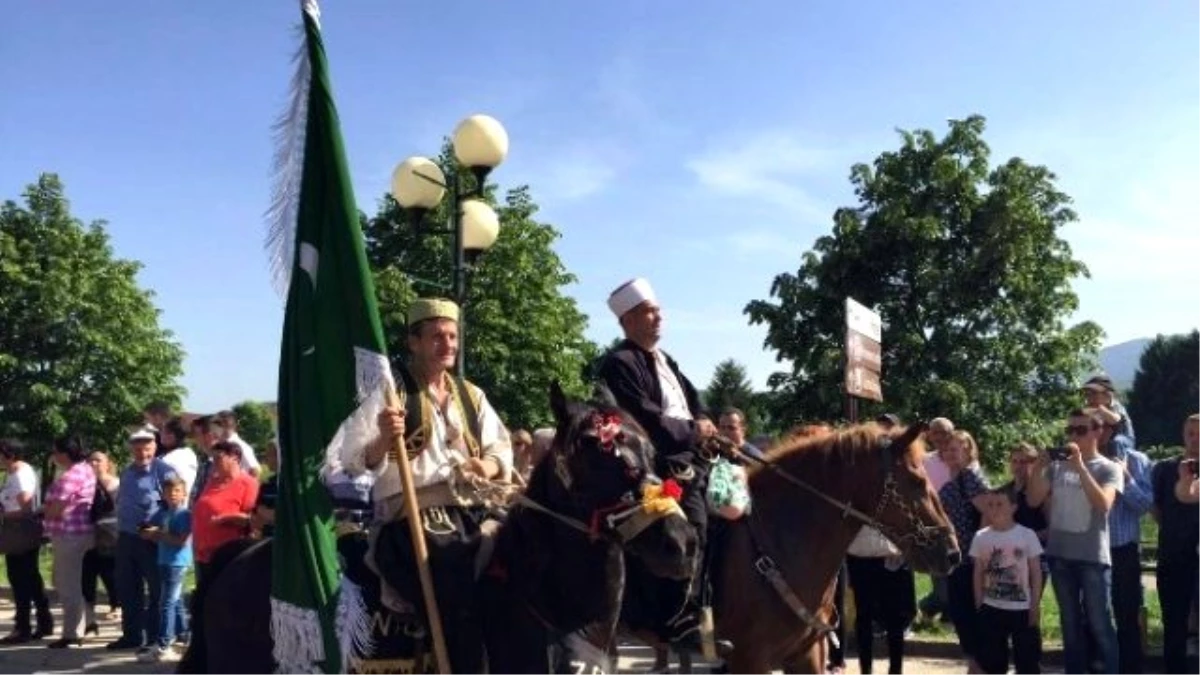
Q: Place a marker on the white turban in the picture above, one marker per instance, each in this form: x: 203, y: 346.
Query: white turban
x: 629, y: 295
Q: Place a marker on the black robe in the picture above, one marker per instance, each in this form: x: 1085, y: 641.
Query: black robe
x: 631, y: 373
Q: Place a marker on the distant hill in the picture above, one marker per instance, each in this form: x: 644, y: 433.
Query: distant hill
x: 1120, y: 361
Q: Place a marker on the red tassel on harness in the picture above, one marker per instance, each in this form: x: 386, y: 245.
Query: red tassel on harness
x: 671, y: 489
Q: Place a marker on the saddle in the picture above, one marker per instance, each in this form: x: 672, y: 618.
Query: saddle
x: 399, y: 638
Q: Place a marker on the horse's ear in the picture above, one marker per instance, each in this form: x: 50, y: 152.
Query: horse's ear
x: 905, y: 440
x: 558, y: 403
x: 602, y: 395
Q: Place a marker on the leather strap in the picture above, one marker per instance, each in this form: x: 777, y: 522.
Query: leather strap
x: 765, y: 565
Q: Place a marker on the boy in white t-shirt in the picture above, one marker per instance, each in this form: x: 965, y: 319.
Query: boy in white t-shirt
x: 1008, y: 587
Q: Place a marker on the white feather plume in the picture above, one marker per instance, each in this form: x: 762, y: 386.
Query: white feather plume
x: 288, y: 168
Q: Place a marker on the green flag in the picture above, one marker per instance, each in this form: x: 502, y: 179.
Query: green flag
x: 332, y: 367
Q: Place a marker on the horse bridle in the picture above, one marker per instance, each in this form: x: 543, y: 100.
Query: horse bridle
x: 765, y: 565
x: 624, y: 520
x: 921, y: 536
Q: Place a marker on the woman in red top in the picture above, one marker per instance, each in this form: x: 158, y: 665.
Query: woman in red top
x: 221, y: 513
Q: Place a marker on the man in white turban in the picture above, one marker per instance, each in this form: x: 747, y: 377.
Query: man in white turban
x: 648, y: 384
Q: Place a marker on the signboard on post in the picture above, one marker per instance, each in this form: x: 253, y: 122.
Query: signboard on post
x: 864, y: 352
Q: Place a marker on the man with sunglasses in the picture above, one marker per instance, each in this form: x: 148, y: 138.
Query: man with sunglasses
x: 1081, y: 490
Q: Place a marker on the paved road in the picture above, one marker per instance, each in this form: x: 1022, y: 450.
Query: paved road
x: 93, y: 658
x: 33, y: 657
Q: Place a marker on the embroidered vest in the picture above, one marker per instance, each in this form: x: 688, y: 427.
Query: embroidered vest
x: 419, y: 413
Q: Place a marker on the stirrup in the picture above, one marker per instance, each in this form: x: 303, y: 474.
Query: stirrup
x: 692, y: 642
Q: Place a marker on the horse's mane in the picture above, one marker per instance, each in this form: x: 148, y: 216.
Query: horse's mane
x: 844, y: 463
x: 818, y: 444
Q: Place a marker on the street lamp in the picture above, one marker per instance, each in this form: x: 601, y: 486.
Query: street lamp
x: 419, y: 184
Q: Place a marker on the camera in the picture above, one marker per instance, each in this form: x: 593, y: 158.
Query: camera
x: 1060, y: 453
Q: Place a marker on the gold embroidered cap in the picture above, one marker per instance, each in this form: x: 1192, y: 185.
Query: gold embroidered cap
x: 432, y: 308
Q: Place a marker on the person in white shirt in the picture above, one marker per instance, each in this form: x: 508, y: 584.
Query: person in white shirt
x: 176, y: 453
x: 19, y: 498
x: 456, y: 432
x: 1008, y: 587
x: 228, y: 430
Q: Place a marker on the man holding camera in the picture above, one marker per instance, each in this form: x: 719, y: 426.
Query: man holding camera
x: 1081, y: 486
x: 1177, y: 567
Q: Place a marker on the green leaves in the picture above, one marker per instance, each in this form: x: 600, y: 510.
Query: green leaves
x: 520, y: 331
x: 80, y: 344
x: 730, y: 388
x: 255, y: 423
x: 965, y: 265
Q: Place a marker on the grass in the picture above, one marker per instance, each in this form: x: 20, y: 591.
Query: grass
x: 46, y: 564
x: 1051, y: 620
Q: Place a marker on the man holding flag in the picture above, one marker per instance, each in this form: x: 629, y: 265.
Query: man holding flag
x: 455, y: 436
x: 334, y: 377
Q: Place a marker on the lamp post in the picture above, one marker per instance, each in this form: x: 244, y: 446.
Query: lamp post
x: 419, y: 184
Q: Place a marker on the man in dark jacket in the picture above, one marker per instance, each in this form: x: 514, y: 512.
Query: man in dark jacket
x: 647, y: 383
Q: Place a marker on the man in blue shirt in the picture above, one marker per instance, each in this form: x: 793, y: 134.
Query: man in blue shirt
x: 138, y: 499
x: 1124, y: 534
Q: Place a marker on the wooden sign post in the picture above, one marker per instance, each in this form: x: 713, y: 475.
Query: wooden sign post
x: 864, y: 356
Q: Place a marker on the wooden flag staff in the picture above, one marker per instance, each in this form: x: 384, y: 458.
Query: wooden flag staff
x: 413, y: 512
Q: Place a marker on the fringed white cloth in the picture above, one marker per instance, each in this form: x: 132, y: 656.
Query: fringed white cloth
x: 373, y: 378
x: 353, y: 625
x: 299, y: 645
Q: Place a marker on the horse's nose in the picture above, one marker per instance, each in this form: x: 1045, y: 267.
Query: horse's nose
x: 954, y: 557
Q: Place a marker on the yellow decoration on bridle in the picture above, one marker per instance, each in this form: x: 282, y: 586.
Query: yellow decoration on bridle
x: 655, y: 506
x: 654, y: 502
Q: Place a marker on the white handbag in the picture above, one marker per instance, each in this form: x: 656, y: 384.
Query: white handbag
x: 870, y: 543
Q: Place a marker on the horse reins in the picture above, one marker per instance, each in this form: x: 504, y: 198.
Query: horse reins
x: 921, y: 534
x: 627, y: 521
x: 765, y: 565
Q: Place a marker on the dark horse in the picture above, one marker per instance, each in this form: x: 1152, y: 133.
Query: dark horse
x: 866, y: 476
x: 550, y: 593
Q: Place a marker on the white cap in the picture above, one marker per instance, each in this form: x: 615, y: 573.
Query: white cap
x: 629, y: 295
x: 143, y: 434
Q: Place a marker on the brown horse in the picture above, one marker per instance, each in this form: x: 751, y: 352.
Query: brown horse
x: 853, y: 476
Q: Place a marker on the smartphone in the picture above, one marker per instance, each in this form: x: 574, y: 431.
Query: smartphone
x: 1060, y: 453
x: 1193, y: 466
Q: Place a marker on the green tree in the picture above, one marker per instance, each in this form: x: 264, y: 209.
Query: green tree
x: 521, y: 332
x: 730, y: 388
x: 80, y: 344
x: 1165, y: 388
x: 256, y: 424
x: 966, y: 267
x: 591, y: 367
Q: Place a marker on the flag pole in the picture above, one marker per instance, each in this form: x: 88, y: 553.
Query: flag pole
x: 420, y: 551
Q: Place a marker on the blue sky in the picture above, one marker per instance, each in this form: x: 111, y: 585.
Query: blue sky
x: 719, y: 134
